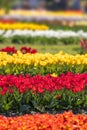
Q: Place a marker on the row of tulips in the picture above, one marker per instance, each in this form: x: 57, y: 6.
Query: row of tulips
x: 40, y: 12
x: 43, y: 33
x: 42, y: 59
x: 24, y: 50
x: 24, y: 94
x: 65, y: 121
x: 40, y: 84
x: 22, y: 26
x: 42, y: 63
x: 40, y: 15
x: 55, y: 25
x: 59, y: 22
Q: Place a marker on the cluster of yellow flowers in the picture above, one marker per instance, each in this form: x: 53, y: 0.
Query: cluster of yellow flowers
x: 22, y: 26
x: 42, y: 59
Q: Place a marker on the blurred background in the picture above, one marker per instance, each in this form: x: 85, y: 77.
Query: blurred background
x: 44, y: 22
x: 45, y: 4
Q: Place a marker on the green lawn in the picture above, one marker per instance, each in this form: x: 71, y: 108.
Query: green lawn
x: 71, y: 49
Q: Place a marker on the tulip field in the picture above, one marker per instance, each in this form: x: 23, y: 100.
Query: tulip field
x: 43, y: 89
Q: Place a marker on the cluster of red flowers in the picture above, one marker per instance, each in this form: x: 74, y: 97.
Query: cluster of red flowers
x: 65, y: 121
x: 24, y: 50
x: 39, y: 84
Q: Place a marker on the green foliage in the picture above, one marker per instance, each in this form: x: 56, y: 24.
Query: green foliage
x: 42, y: 70
x: 40, y: 40
x: 30, y: 102
x: 57, y: 26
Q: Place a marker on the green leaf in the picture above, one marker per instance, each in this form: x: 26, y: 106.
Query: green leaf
x: 7, y: 106
x: 78, y: 102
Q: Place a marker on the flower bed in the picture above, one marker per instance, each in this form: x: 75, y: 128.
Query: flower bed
x: 39, y: 33
x: 22, y: 26
x: 42, y: 59
x: 44, y: 33
x: 41, y: 83
x: 42, y: 63
x: 24, y: 94
x: 63, y: 121
x: 40, y: 15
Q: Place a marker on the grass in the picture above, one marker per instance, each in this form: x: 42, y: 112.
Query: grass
x: 71, y: 49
